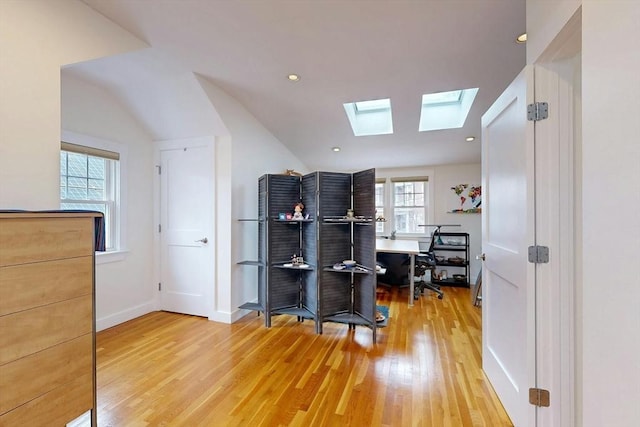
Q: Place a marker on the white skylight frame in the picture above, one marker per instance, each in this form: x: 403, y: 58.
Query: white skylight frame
x: 371, y: 117
x: 446, y: 110
x: 439, y: 98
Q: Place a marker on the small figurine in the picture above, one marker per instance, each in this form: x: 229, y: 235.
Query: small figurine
x: 298, y: 211
x: 297, y: 260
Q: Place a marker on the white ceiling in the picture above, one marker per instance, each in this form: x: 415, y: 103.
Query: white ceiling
x: 344, y: 50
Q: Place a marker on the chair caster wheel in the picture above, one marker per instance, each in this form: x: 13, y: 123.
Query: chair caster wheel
x: 439, y: 296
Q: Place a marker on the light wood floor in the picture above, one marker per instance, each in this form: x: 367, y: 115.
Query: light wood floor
x: 166, y: 369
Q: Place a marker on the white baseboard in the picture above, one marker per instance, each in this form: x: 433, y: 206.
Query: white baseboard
x: 226, y: 317
x: 124, y: 315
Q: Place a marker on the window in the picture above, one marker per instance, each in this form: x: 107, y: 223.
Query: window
x: 380, y: 211
x: 410, y: 205
x: 89, y: 180
x: 404, y: 202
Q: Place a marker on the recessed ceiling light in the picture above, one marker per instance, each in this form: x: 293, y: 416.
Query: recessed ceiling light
x: 522, y: 38
x: 470, y: 138
x: 336, y: 149
x: 293, y: 77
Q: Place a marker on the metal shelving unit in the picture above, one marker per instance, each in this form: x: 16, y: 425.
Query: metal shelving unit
x: 448, y: 250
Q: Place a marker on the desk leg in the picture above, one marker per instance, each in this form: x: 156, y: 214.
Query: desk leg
x: 411, y: 284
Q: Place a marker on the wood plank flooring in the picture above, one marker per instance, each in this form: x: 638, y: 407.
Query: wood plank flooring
x: 166, y: 369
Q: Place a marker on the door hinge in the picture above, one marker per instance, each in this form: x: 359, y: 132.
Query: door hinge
x: 159, y: 286
x: 159, y: 228
x: 537, y: 111
x: 539, y: 397
x: 538, y: 254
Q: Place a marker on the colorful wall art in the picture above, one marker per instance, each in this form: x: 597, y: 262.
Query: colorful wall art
x: 466, y: 199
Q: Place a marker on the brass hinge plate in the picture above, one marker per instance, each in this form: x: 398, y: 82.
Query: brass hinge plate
x: 539, y: 397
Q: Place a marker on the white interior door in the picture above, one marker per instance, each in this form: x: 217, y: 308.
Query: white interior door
x: 508, y: 288
x: 186, y: 237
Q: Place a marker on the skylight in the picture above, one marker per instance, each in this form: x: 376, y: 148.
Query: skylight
x: 441, y: 97
x: 375, y: 104
x: 446, y: 110
x: 370, y: 117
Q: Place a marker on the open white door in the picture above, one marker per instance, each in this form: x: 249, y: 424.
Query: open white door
x: 508, y: 221
x: 186, y: 238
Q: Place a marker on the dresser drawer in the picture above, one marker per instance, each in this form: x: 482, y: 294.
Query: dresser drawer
x: 32, y: 239
x: 55, y: 408
x: 26, y: 286
x: 42, y: 372
x: 29, y: 331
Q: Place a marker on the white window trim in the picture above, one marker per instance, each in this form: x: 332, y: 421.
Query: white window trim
x: 120, y: 191
x: 388, y: 177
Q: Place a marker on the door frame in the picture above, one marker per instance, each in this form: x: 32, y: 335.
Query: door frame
x: 558, y: 188
x: 173, y: 144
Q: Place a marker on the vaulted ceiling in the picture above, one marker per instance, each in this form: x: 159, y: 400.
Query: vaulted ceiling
x: 344, y: 51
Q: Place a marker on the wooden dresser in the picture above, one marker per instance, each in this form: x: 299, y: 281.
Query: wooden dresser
x: 47, y: 318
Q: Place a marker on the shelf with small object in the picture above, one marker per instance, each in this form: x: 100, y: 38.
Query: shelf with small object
x: 451, y: 250
x: 291, y: 283
x: 346, y: 236
x: 258, y: 305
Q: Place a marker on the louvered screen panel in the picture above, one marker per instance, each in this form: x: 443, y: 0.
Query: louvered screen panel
x: 334, y: 197
x: 364, y: 243
x: 364, y: 196
x: 334, y: 244
x: 335, y: 291
x: 364, y: 295
x: 309, y: 291
x: 284, y: 241
x: 309, y: 242
x: 284, y: 287
x: 262, y: 240
x: 284, y: 193
x: 334, y: 288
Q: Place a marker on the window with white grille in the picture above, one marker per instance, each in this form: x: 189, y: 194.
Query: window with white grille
x: 89, y: 180
x: 409, y: 203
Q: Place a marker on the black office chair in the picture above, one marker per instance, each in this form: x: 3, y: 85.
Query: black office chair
x: 425, y: 262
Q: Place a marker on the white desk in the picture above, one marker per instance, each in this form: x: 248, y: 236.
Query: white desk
x: 409, y: 247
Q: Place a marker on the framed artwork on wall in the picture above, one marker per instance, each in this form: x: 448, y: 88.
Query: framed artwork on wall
x: 465, y: 198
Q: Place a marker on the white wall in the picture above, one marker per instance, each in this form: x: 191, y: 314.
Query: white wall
x: 124, y: 288
x: 608, y: 375
x: 36, y: 38
x: 611, y: 229
x: 545, y: 19
x: 252, y: 151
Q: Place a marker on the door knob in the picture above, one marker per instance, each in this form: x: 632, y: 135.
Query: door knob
x: 481, y: 257
x: 203, y: 240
